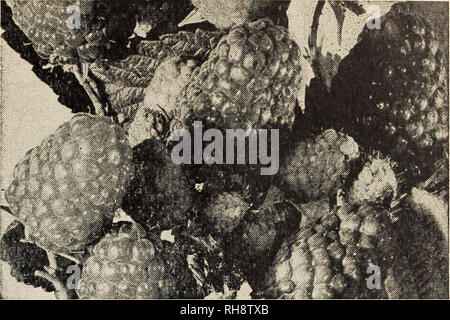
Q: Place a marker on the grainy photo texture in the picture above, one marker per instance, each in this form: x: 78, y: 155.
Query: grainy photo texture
x: 217, y: 149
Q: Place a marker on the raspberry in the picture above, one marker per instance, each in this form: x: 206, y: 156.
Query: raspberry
x: 148, y: 124
x: 125, y: 80
x: 65, y: 190
x: 103, y: 32
x: 64, y: 84
x: 331, y: 258
x: 259, y: 230
x: 153, y: 117
x: 376, y: 182
x: 126, y: 265
x: 254, y: 243
x: 159, y: 194
x: 396, y: 101
x: 423, y: 231
x: 249, y: 81
x: 315, y: 167
x: 226, y: 211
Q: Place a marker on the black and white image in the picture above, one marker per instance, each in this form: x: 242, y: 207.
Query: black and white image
x: 217, y: 149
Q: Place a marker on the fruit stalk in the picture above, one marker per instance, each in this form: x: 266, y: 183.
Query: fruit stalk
x: 90, y: 87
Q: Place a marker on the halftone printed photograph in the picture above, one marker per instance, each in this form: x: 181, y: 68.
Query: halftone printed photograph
x: 224, y: 150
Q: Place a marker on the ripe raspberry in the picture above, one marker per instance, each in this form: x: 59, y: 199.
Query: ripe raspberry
x: 224, y: 14
x: 249, y: 81
x: 125, y: 80
x: 65, y: 190
x: 315, y: 167
x: 375, y: 183
x: 25, y: 259
x: 432, y: 11
x: 331, y: 258
x: 103, y: 31
x: 159, y: 194
x: 65, y: 85
x: 153, y: 117
x: 396, y: 101
x: 126, y: 265
x: 226, y: 211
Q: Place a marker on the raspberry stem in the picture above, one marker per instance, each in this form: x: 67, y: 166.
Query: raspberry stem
x: 52, y: 264
x: 69, y: 257
x: 88, y: 84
